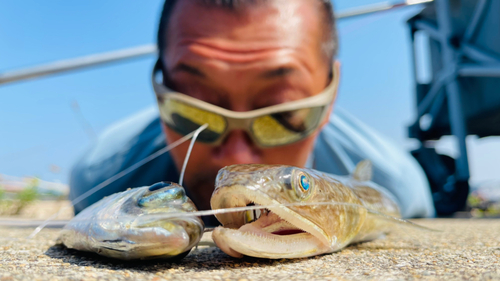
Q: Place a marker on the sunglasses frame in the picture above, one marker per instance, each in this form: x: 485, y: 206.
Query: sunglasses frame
x: 244, y: 120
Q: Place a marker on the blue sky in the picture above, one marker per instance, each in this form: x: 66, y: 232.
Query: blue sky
x: 39, y: 129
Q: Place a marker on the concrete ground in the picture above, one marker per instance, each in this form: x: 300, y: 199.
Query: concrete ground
x: 465, y: 249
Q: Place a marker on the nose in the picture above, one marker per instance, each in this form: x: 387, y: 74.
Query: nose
x: 237, y: 148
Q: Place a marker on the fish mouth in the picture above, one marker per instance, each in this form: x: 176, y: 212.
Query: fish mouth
x: 273, y: 232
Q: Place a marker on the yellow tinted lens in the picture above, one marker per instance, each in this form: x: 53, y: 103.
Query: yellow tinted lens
x: 286, y: 127
x: 216, y: 123
x: 185, y: 118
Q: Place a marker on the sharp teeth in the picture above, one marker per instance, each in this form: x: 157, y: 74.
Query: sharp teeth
x: 253, y: 215
x: 257, y: 214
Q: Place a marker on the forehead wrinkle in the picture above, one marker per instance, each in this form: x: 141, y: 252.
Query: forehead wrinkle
x: 247, y: 43
x: 269, y: 25
x: 262, y: 32
x: 204, y: 57
x: 232, y: 46
x: 238, y: 55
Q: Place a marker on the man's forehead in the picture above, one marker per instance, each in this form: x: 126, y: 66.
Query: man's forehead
x: 263, y: 24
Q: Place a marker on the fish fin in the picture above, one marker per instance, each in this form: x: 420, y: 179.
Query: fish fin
x: 363, y: 171
x: 400, y: 221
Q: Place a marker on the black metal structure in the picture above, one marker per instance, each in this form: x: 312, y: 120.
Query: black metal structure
x: 463, y: 97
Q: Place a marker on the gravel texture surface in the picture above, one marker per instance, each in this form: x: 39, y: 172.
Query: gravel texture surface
x: 40, y: 210
x: 464, y: 249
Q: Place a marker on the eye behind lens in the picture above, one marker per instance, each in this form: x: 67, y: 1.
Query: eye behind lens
x: 286, y: 127
x: 184, y: 118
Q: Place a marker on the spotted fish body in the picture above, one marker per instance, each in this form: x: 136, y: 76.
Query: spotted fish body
x: 118, y: 226
x: 298, y: 230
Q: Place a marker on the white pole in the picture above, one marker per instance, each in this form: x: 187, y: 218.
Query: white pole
x: 146, y: 50
x: 77, y: 63
x: 376, y: 8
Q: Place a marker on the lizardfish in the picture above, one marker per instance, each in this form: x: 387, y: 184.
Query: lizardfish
x: 285, y: 230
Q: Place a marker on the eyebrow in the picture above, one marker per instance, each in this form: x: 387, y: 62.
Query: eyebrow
x: 278, y: 72
x: 188, y: 69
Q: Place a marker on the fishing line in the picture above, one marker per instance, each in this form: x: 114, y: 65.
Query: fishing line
x: 188, y: 154
x: 115, y: 178
x: 180, y: 215
x: 33, y: 223
x: 242, y: 209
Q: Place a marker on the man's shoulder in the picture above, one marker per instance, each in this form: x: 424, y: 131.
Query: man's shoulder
x: 345, y: 141
x: 142, y: 128
x: 357, y: 142
x: 118, y: 148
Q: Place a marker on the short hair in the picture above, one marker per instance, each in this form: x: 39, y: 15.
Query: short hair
x: 330, y: 38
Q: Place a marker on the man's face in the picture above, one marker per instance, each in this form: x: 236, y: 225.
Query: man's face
x: 263, y: 55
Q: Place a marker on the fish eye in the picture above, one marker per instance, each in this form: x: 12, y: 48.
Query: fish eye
x: 159, y: 185
x: 163, y: 194
x: 304, y: 183
x: 301, y: 185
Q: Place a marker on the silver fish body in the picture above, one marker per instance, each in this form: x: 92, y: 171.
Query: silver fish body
x: 120, y: 225
x: 294, y: 231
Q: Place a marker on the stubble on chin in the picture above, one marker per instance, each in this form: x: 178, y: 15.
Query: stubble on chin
x: 200, y: 186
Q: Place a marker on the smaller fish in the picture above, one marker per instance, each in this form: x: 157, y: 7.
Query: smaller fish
x: 118, y: 226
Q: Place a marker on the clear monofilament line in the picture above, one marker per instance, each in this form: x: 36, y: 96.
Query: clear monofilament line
x: 210, y: 212
x: 175, y: 215
x: 115, y: 178
x: 179, y: 215
x: 188, y: 154
x: 248, y: 208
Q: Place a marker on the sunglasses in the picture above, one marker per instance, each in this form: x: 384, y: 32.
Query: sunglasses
x: 275, y: 125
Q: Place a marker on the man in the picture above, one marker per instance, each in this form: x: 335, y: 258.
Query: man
x: 238, y: 65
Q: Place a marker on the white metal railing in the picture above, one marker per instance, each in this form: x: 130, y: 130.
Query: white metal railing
x: 146, y: 50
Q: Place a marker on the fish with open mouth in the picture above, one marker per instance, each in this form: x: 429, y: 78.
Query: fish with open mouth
x: 119, y: 226
x: 310, y: 227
